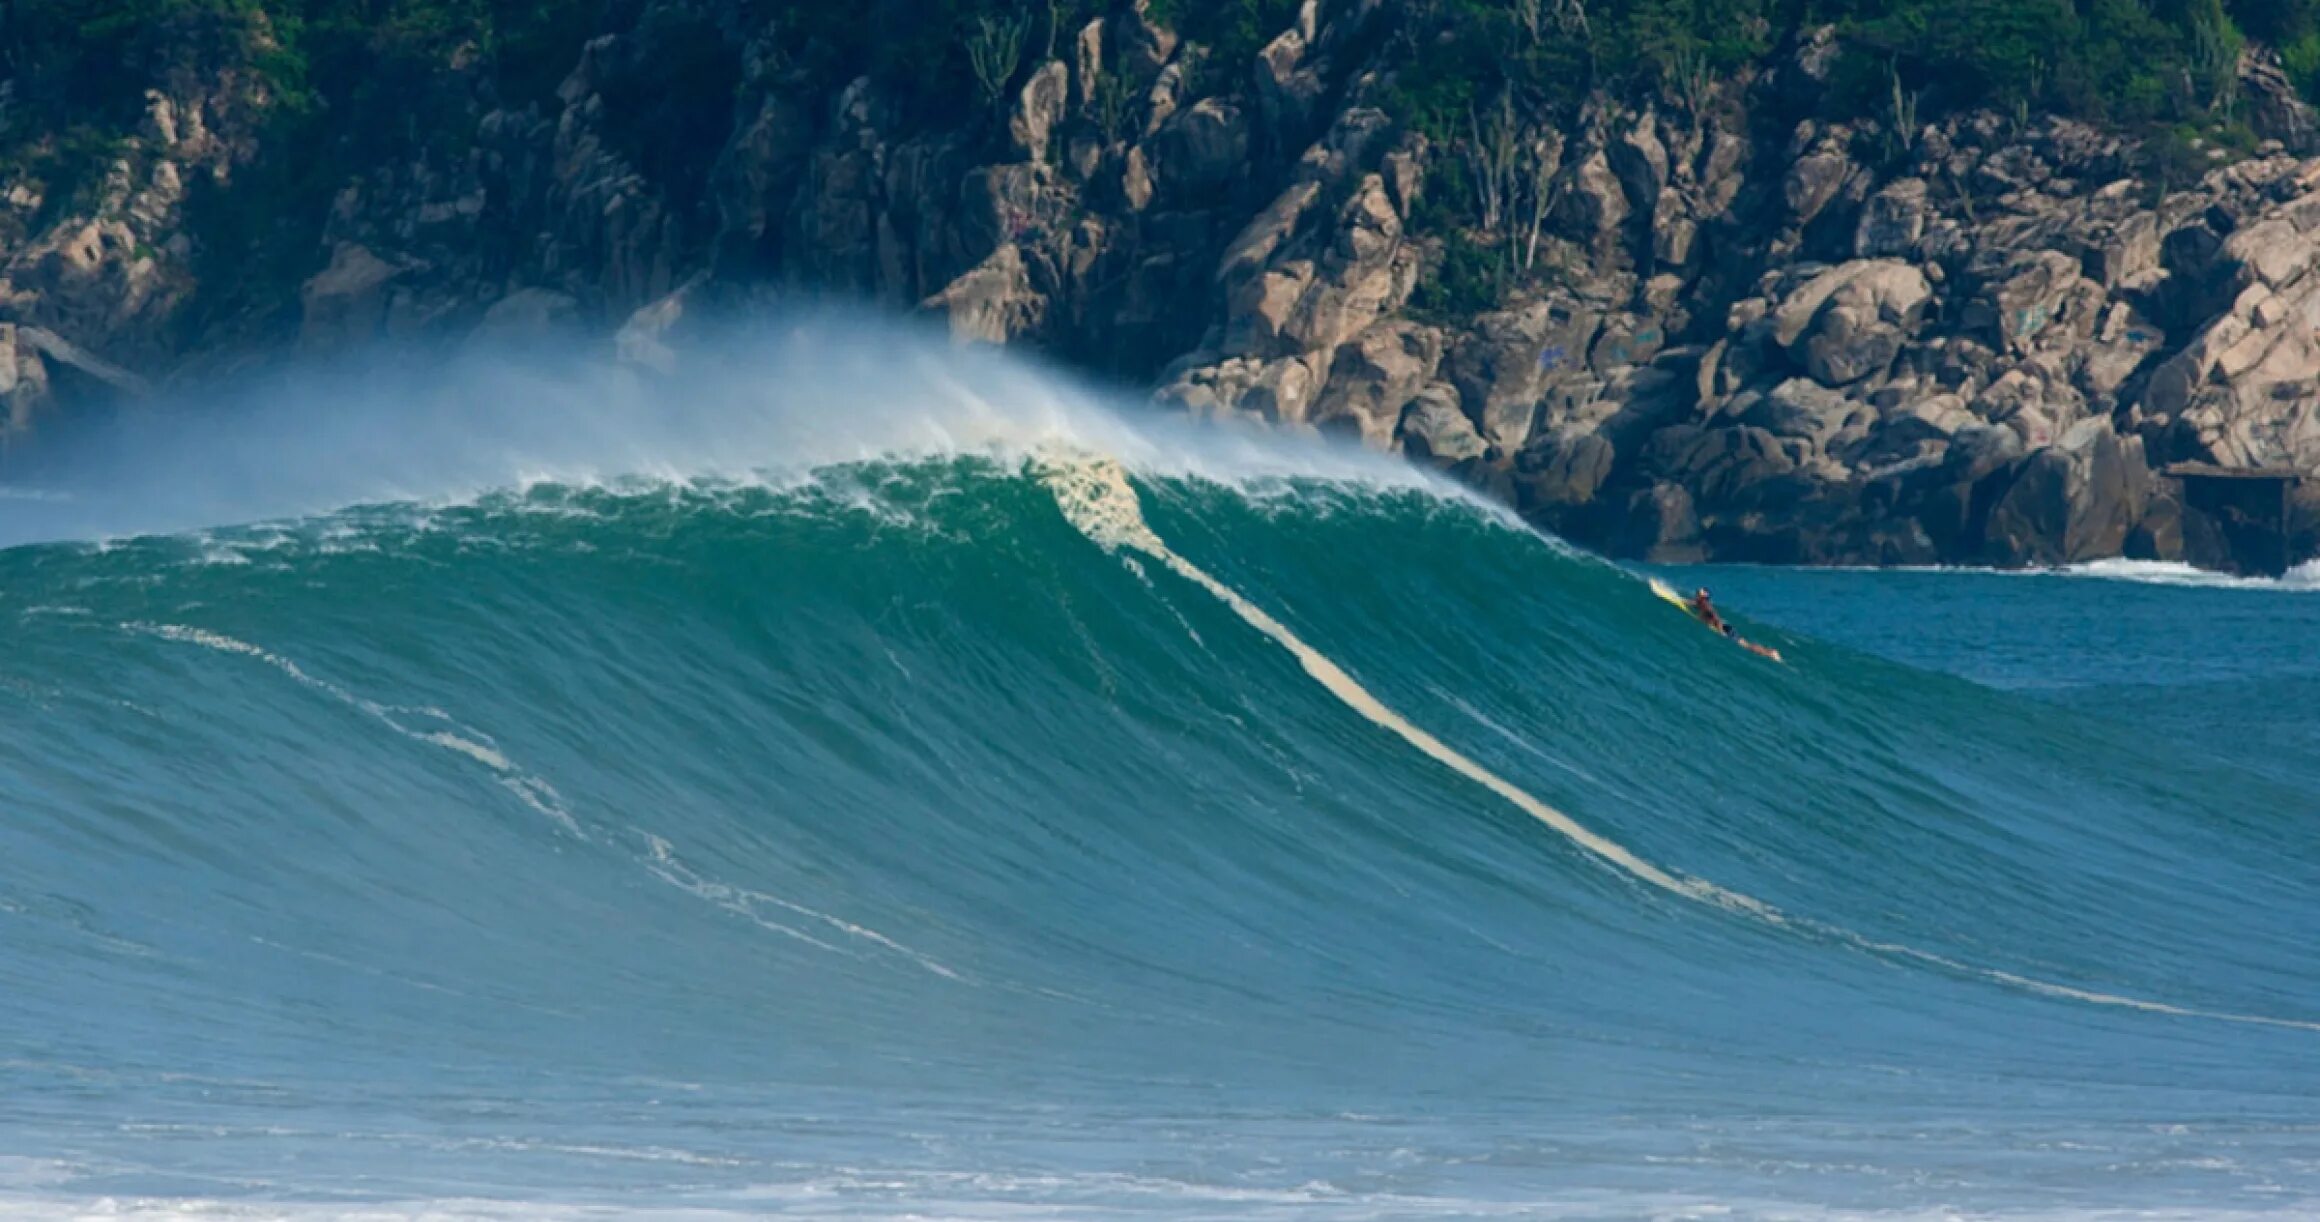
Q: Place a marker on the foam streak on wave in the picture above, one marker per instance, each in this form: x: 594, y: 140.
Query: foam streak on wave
x: 659, y: 859
x: 1095, y: 496
x: 535, y: 793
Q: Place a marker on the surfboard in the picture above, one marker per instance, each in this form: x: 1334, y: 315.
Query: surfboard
x: 1668, y: 595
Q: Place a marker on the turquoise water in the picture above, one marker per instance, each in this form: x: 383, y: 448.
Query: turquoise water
x: 870, y: 841
x: 2211, y: 665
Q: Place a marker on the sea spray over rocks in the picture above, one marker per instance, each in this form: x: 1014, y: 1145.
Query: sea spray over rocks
x: 759, y: 397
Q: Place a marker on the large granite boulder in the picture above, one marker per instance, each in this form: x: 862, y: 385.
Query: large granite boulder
x: 1850, y: 322
x: 1434, y: 429
x: 1374, y: 379
x: 2075, y: 500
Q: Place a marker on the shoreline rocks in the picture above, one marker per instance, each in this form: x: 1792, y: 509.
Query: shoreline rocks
x: 1723, y: 332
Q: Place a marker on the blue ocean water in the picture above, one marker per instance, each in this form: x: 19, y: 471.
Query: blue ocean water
x: 967, y: 825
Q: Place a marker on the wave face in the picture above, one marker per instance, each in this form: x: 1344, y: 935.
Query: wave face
x: 876, y: 840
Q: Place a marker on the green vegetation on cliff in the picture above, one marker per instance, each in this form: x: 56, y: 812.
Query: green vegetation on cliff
x: 373, y: 65
x: 2117, y: 61
x: 1485, y: 78
x: 329, y: 90
x: 89, y: 62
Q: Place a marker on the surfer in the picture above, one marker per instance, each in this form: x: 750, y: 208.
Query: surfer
x: 1702, y: 608
x: 1705, y: 611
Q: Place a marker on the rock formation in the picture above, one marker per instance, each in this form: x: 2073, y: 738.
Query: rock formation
x: 1737, y: 333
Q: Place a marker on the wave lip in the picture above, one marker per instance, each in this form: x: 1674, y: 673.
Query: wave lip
x: 775, y: 400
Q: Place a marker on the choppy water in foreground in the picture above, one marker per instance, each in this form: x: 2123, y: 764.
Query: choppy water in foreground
x: 873, y: 842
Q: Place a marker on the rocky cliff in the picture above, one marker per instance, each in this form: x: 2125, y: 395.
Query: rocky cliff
x: 1712, y: 322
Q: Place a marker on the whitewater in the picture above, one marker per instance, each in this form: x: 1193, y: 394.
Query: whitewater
x: 852, y: 778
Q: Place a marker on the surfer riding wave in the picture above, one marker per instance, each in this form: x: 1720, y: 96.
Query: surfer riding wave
x: 1702, y: 607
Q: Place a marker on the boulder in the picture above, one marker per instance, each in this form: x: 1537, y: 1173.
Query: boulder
x: 2123, y: 252
x: 2072, y: 501
x: 1261, y: 311
x: 1804, y: 409
x: 1088, y: 64
x: 1850, y: 342
x: 2270, y: 253
x: 1892, y: 220
x: 346, y: 302
x: 1722, y: 171
x: 994, y: 303
x: 1276, y: 391
x: 1288, y: 91
x: 1722, y: 466
x: 1812, y: 182
x: 1502, y: 363
x: 2035, y: 404
x: 1136, y: 185
x: 2123, y: 342
x: 1625, y: 341
x: 1563, y: 468
x: 25, y: 393
x: 1366, y: 272
x: 1435, y: 428
x: 1268, y: 232
x: 1674, y: 241
x: 1895, y: 290
x: 1204, y: 148
x: 2177, y: 381
x: 1375, y: 378
x: 1592, y: 206
x: 1039, y: 106
x: 2032, y: 293
x: 1850, y: 322
x: 1662, y: 527
x: 2159, y: 535
x: 1640, y: 162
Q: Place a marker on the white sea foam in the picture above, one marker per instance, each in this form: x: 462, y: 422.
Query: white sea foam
x: 742, y: 901
x: 18, y: 1173
x: 2304, y: 578
x: 659, y: 859
x: 489, y: 757
x: 764, y: 402
x: 536, y: 793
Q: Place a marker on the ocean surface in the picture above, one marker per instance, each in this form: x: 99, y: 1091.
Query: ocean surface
x: 1014, y: 807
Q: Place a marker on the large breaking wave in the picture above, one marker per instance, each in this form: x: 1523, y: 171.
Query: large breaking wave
x: 680, y: 800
